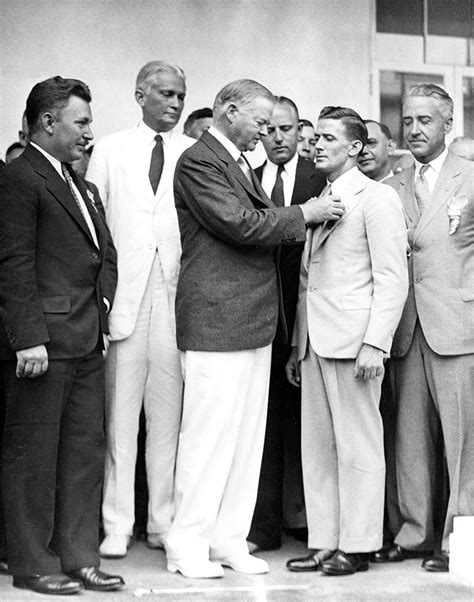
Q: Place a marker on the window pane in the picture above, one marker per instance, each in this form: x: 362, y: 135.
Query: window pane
x: 400, y: 16
x: 453, y: 18
x: 393, y: 85
x: 468, y: 105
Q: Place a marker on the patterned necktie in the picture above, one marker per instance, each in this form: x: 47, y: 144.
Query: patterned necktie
x: 422, y: 191
x: 277, y: 195
x: 66, y: 169
x: 245, y: 167
x: 156, y: 163
x: 67, y: 176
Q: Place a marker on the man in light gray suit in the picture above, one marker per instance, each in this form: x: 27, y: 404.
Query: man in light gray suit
x: 433, y: 374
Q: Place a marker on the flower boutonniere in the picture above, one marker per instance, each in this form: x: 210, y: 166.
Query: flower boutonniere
x: 454, y: 209
x: 92, y: 200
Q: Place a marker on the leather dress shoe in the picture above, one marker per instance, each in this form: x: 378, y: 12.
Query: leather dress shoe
x: 55, y: 584
x: 438, y: 563
x: 312, y: 562
x: 93, y: 578
x: 345, y: 564
x: 395, y: 554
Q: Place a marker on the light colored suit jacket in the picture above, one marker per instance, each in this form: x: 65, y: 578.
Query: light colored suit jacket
x: 441, y: 265
x: 353, y: 280
x: 140, y: 222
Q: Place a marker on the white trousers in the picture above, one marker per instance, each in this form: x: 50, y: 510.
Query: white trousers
x: 220, y: 452
x: 342, y: 454
x: 143, y: 370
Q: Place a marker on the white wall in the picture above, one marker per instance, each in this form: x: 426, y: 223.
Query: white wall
x: 315, y: 51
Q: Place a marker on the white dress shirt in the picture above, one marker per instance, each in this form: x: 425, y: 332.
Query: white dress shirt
x: 288, y: 176
x: 432, y: 173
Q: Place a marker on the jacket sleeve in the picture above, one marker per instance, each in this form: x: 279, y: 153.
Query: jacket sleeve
x: 20, y: 303
x: 205, y: 189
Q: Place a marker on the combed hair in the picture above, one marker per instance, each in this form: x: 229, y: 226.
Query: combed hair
x: 284, y: 100
x: 240, y: 91
x: 197, y: 114
x: 305, y: 123
x: 384, y: 128
x: 353, y: 122
x: 154, y: 67
x: 434, y: 91
x: 50, y: 95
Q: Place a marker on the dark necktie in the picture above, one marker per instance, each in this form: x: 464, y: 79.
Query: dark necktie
x: 156, y: 163
x: 422, y: 191
x: 277, y: 195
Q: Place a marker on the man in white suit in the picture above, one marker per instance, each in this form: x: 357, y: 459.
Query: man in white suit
x: 352, y: 289
x: 134, y: 173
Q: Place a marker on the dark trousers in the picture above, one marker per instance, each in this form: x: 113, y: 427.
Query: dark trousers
x: 282, y: 440
x: 3, y: 537
x: 53, y: 463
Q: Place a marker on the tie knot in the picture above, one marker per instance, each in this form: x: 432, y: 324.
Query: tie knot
x: 281, y: 168
x: 159, y: 138
x: 424, y: 169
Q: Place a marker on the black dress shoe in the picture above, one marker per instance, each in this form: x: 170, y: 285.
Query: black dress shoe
x: 438, y: 563
x: 345, y: 564
x: 92, y: 577
x: 56, y: 584
x: 312, y: 562
x: 395, y: 554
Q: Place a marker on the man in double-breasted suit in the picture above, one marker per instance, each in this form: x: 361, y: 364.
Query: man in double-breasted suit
x: 227, y: 308
x: 133, y: 171
x: 353, y: 286
x: 288, y: 180
x: 433, y: 376
x: 57, y: 283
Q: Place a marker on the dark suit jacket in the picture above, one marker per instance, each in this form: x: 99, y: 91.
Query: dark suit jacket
x: 308, y: 183
x: 53, y: 277
x: 228, y: 293
x: 440, y: 265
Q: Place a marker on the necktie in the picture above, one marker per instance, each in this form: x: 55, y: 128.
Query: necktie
x: 245, y: 167
x: 422, y: 191
x: 156, y: 163
x: 277, y: 195
x: 65, y: 168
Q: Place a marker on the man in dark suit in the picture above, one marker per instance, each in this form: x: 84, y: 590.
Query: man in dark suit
x: 433, y: 349
x: 57, y: 283
x: 288, y: 180
x: 227, y: 309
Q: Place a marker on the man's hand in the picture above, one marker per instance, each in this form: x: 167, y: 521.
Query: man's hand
x: 327, y: 208
x: 31, y: 362
x: 292, y: 368
x: 369, y: 362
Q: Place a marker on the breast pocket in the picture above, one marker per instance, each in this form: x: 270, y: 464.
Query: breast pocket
x: 56, y: 305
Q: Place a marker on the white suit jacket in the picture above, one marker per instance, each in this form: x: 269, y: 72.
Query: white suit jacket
x: 354, y: 278
x: 140, y: 222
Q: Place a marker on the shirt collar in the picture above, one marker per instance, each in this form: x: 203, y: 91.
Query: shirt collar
x: 344, y: 184
x: 226, y: 143
x: 435, y: 164
x: 290, y: 166
x: 149, y: 134
x: 389, y: 175
x: 54, y: 162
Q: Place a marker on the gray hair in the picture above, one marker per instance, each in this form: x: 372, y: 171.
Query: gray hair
x: 241, y: 91
x: 154, y: 67
x: 434, y: 91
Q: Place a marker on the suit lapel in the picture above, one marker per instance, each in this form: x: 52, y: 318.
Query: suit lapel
x: 254, y: 188
x: 406, y: 190
x: 58, y: 188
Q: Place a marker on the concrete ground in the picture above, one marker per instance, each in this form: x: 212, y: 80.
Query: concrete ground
x: 146, y: 579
